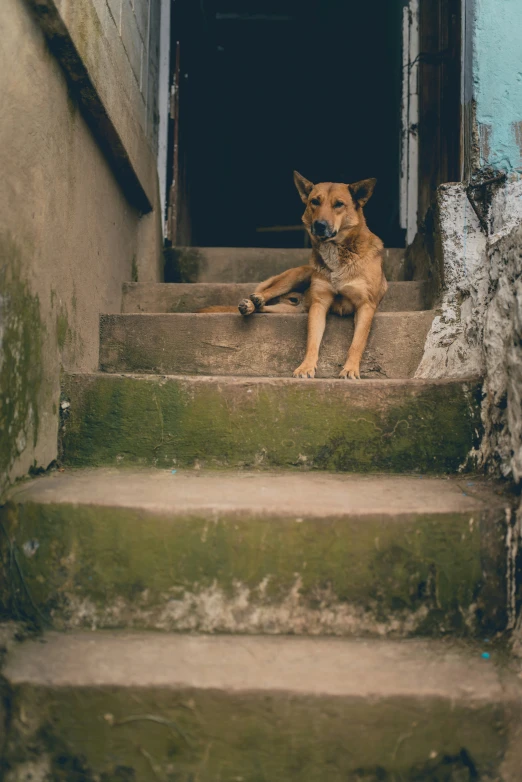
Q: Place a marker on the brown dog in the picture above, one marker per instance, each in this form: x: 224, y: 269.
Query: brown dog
x: 345, y: 274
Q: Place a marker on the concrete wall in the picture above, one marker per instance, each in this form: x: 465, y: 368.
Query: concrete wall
x: 110, y: 51
x: 69, y: 236
x: 478, y: 328
x: 497, y: 82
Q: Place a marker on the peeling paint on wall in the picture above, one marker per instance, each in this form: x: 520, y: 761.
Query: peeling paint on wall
x: 454, y: 344
x: 497, y: 81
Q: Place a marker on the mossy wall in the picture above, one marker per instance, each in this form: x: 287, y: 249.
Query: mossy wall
x: 67, y: 242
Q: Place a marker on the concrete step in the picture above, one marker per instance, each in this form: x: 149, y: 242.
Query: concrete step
x: 240, y: 552
x: 251, y: 264
x: 258, y: 346
x: 368, y: 425
x: 119, y: 706
x: 189, y: 297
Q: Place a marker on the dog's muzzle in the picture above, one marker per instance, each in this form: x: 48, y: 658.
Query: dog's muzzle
x: 322, y: 230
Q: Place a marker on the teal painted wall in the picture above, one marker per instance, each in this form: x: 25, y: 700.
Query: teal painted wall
x: 497, y: 76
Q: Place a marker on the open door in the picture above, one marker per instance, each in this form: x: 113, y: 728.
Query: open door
x: 268, y: 86
x: 260, y: 88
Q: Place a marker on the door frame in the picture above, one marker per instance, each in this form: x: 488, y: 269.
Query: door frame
x: 409, y: 184
x: 164, y: 107
x: 436, y: 107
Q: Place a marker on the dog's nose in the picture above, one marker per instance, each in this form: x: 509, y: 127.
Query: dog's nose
x: 321, y: 228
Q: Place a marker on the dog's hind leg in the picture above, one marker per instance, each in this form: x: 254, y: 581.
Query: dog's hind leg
x: 297, y: 278
x: 285, y: 306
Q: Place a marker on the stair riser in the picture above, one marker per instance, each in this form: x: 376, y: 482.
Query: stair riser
x: 190, y: 297
x: 241, y: 572
x: 187, y: 734
x: 250, y: 264
x: 259, y: 346
x: 332, y: 425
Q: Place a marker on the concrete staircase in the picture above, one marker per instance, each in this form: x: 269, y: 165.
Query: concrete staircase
x: 327, y: 603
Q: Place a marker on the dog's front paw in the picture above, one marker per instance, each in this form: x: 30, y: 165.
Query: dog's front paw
x: 257, y: 300
x: 246, y: 307
x: 350, y: 371
x: 305, y: 370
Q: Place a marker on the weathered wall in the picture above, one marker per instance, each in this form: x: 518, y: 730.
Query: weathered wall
x: 134, y: 23
x: 110, y: 50
x: 497, y: 82
x: 68, y: 239
x: 502, y: 407
x: 478, y: 329
x: 454, y: 344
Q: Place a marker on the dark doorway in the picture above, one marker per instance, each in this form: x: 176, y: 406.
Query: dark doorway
x: 267, y: 86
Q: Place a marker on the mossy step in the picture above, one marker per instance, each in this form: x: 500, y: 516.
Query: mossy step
x: 189, y: 297
x: 301, y: 553
x: 360, y: 426
x: 258, y: 346
x: 251, y: 264
x: 118, y: 706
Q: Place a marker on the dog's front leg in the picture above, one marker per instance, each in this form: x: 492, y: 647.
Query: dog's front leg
x: 316, y: 325
x: 274, y: 287
x: 363, y: 323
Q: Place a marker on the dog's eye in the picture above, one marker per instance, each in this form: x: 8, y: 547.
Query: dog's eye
x: 338, y: 204
x: 293, y: 299
x: 315, y: 201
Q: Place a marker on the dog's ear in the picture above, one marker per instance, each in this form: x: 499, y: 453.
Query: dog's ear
x: 362, y: 191
x: 304, y: 187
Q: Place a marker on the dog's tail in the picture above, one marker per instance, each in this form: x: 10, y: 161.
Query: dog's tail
x: 217, y: 308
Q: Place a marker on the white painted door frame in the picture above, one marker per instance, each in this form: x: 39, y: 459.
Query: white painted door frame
x: 164, y: 106
x: 409, y: 193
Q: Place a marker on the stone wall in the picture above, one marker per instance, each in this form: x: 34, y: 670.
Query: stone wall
x: 478, y: 327
x: 502, y: 407
x: 454, y: 345
x: 69, y: 236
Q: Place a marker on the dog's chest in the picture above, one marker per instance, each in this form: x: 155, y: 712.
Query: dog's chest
x: 330, y: 256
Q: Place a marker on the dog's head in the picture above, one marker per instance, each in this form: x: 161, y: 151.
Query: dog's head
x: 333, y: 211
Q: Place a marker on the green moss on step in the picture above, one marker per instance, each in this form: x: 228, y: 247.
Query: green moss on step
x: 152, y: 420
x: 185, y: 735
x: 117, y: 567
